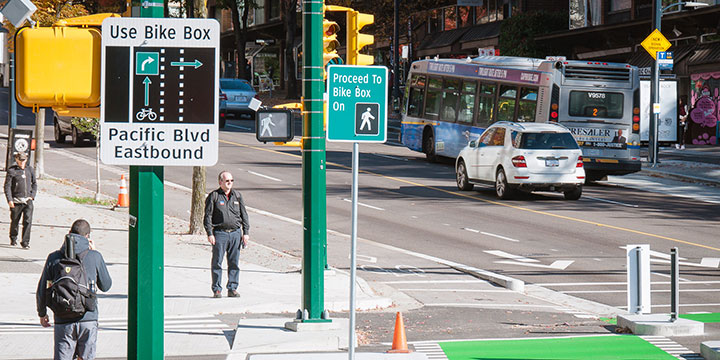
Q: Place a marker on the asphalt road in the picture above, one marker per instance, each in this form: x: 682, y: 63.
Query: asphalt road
x: 573, y: 247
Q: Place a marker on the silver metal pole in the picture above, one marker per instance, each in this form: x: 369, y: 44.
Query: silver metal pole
x: 638, y: 279
x: 674, y: 285
x: 654, y: 91
x: 655, y: 116
x: 353, y: 249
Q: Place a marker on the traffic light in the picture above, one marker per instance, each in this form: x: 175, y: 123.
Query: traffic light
x: 355, y: 40
x: 330, y: 42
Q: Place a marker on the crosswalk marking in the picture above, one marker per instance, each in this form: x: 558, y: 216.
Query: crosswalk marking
x: 209, y: 324
x: 671, y: 347
x: 433, y: 351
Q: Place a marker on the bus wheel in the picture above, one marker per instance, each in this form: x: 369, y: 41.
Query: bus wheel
x: 573, y: 194
x: 593, y: 176
x: 463, y: 182
x: 502, y: 188
x: 429, y: 147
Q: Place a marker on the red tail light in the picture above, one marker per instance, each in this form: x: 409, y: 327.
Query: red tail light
x: 223, y: 96
x: 579, y: 162
x: 519, y: 161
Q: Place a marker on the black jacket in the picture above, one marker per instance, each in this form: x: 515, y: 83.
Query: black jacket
x: 17, y: 186
x: 95, y: 269
x: 224, y: 213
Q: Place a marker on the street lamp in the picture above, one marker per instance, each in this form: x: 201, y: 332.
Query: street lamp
x: 655, y: 85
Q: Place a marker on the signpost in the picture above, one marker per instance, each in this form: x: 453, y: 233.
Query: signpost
x: 357, y: 112
x: 655, y: 44
x: 159, y: 89
x: 665, y: 60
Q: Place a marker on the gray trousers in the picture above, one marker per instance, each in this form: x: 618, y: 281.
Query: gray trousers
x: 226, y: 244
x: 76, y: 339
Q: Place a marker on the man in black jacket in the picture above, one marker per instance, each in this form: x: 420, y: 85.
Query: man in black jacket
x: 75, y: 336
x: 20, y: 191
x: 225, y: 215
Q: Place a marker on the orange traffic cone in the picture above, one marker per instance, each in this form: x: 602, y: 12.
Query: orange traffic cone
x: 399, y: 344
x: 123, y: 200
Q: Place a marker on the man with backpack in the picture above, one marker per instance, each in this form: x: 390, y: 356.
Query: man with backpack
x: 68, y: 286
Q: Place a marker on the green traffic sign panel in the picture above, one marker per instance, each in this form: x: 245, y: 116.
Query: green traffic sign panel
x: 357, y: 103
x: 147, y: 63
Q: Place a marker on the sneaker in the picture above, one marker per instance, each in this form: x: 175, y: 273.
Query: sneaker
x: 677, y: 146
x: 682, y: 147
x: 217, y: 294
x: 25, y: 246
x: 13, y: 242
x: 233, y: 293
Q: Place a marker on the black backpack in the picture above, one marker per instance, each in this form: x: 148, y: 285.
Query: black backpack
x: 70, y: 295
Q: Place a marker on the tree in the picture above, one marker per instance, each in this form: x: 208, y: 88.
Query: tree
x: 91, y: 125
x: 290, y: 58
x: 517, y: 34
x: 239, y: 11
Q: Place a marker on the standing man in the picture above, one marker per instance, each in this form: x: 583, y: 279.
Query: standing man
x: 225, y: 215
x: 74, y: 335
x: 20, y: 191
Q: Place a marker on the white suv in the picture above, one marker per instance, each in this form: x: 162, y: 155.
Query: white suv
x: 525, y: 157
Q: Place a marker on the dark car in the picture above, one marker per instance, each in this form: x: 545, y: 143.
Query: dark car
x: 63, y: 127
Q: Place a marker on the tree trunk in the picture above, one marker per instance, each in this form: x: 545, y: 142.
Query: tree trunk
x: 197, y: 207
x: 39, y: 143
x: 201, y: 10
x: 97, y: 167
x: 290, y: 58
x: 240, y: 36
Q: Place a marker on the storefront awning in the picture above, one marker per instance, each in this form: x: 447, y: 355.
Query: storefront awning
x: 705, y: 54
x: 642, y: 58
x: 440, y: 42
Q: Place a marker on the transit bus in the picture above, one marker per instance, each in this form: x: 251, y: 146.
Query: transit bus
x: 450, y: 101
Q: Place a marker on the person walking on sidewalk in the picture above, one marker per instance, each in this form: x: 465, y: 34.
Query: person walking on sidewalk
x: 226, y: 223
x: 682, y: 122
x: 20, y: 191
x: 74, y: 335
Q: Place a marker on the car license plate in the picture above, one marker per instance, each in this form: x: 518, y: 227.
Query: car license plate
x: 552, y: 162
x: 240, y: 98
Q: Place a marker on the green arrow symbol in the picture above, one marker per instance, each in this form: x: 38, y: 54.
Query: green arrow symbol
x: 147, y: 90
x: 195, y: 63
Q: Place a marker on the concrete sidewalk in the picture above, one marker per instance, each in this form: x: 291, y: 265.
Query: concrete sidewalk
x: 270, y: 282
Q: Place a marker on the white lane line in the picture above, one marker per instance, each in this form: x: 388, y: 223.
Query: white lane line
x: 623, y: 291
x: 492, y: 305
x: 264, y: 176
x: 500, y: 253
x: 460, y: 290
x: 472, y: 230
x: 435, y: 282
x: 668, y: 276
x: 365, y: 205
x: 622, y: 283
x: 610, y: 201
x: 390, y: 157
x: 237, y: 126
x: 557, y: 264
x: 500, y: 236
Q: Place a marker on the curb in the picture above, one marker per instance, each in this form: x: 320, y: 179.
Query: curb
x: 681, y: 177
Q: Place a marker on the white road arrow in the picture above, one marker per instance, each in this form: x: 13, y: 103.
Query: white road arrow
x: 523, y: 261
x: 662, y: 258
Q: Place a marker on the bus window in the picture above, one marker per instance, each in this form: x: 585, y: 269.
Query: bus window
x: 527, y: 104
x: 596, y: 104
x: 415, y: 101
x: 467, y: 102
x: 432, y: 101
x: 486, y: 104
x: 451, y: 95
x: 506, y: 103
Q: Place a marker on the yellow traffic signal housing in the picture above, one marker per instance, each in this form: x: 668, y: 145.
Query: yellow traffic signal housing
x: 330, y: 42
x: 355, y: 40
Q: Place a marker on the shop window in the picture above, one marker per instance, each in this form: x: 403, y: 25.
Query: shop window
x: 274, y: 8
x: 449, y: 18
x: 464, y: 16
x: 434, y: 21
x: 619, y: 5
x: 481, y: 13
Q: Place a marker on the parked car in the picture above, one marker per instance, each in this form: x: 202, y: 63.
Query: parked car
x: 222, y: 109
x: 62, y: 127
x: 523, y: 157
x: 238, y: 93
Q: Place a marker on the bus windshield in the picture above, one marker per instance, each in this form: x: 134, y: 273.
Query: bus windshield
x: 596, y: 104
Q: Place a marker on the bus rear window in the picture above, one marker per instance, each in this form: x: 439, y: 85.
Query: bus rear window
x: 596, y: 104
x: 545, y: 141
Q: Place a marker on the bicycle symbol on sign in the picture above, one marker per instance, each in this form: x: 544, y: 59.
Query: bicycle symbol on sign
x: 143, y: 113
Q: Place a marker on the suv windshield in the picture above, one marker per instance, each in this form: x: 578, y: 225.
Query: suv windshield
x: 545, y: 141
x: 235, y: 85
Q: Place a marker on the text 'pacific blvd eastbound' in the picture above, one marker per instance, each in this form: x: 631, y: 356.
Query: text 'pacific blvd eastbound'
x: 185, y: 143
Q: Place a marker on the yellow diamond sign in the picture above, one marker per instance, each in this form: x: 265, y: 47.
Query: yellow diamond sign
x: 655, y: 42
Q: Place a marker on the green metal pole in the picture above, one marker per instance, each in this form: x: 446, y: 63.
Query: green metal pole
x: 146, y: 313
x: 313, y: 167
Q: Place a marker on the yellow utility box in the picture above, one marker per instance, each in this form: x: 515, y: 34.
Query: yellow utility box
x: 58, y: 67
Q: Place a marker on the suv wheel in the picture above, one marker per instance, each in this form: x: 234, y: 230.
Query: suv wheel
x: 76, y: 140
x: 59, y: 136
x: 573, y: 194
x: 463, y: 182
x: 502, y: 189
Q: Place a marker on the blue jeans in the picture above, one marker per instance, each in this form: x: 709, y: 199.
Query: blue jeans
x: 77, y: 338
x: 226, y: 244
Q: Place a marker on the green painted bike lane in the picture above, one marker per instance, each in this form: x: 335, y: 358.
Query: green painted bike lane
x: 610, y: 347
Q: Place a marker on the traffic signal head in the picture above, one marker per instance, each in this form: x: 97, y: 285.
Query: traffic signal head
x: 330, y: 42
x: 355, y: 40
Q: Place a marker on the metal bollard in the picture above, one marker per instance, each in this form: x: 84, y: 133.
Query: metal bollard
x: 638, y: 253
x: 674, y: 285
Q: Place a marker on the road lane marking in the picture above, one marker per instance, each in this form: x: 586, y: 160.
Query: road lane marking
x: 668, y: 276
x: 624, y: 291
x: 500, y: 253
x: 264, y: 176
x: 435, y: 282
x: 623, y: 283
x: 460, y: 290
x: 390, y: 157
x: 474, y: 197
x: 610, y: 201
x: 472, y: 230
x: 492, y: 305
x: 365, y: 205
x: 500, y: 237
x: 558, y: 264
x: 237, y: 126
